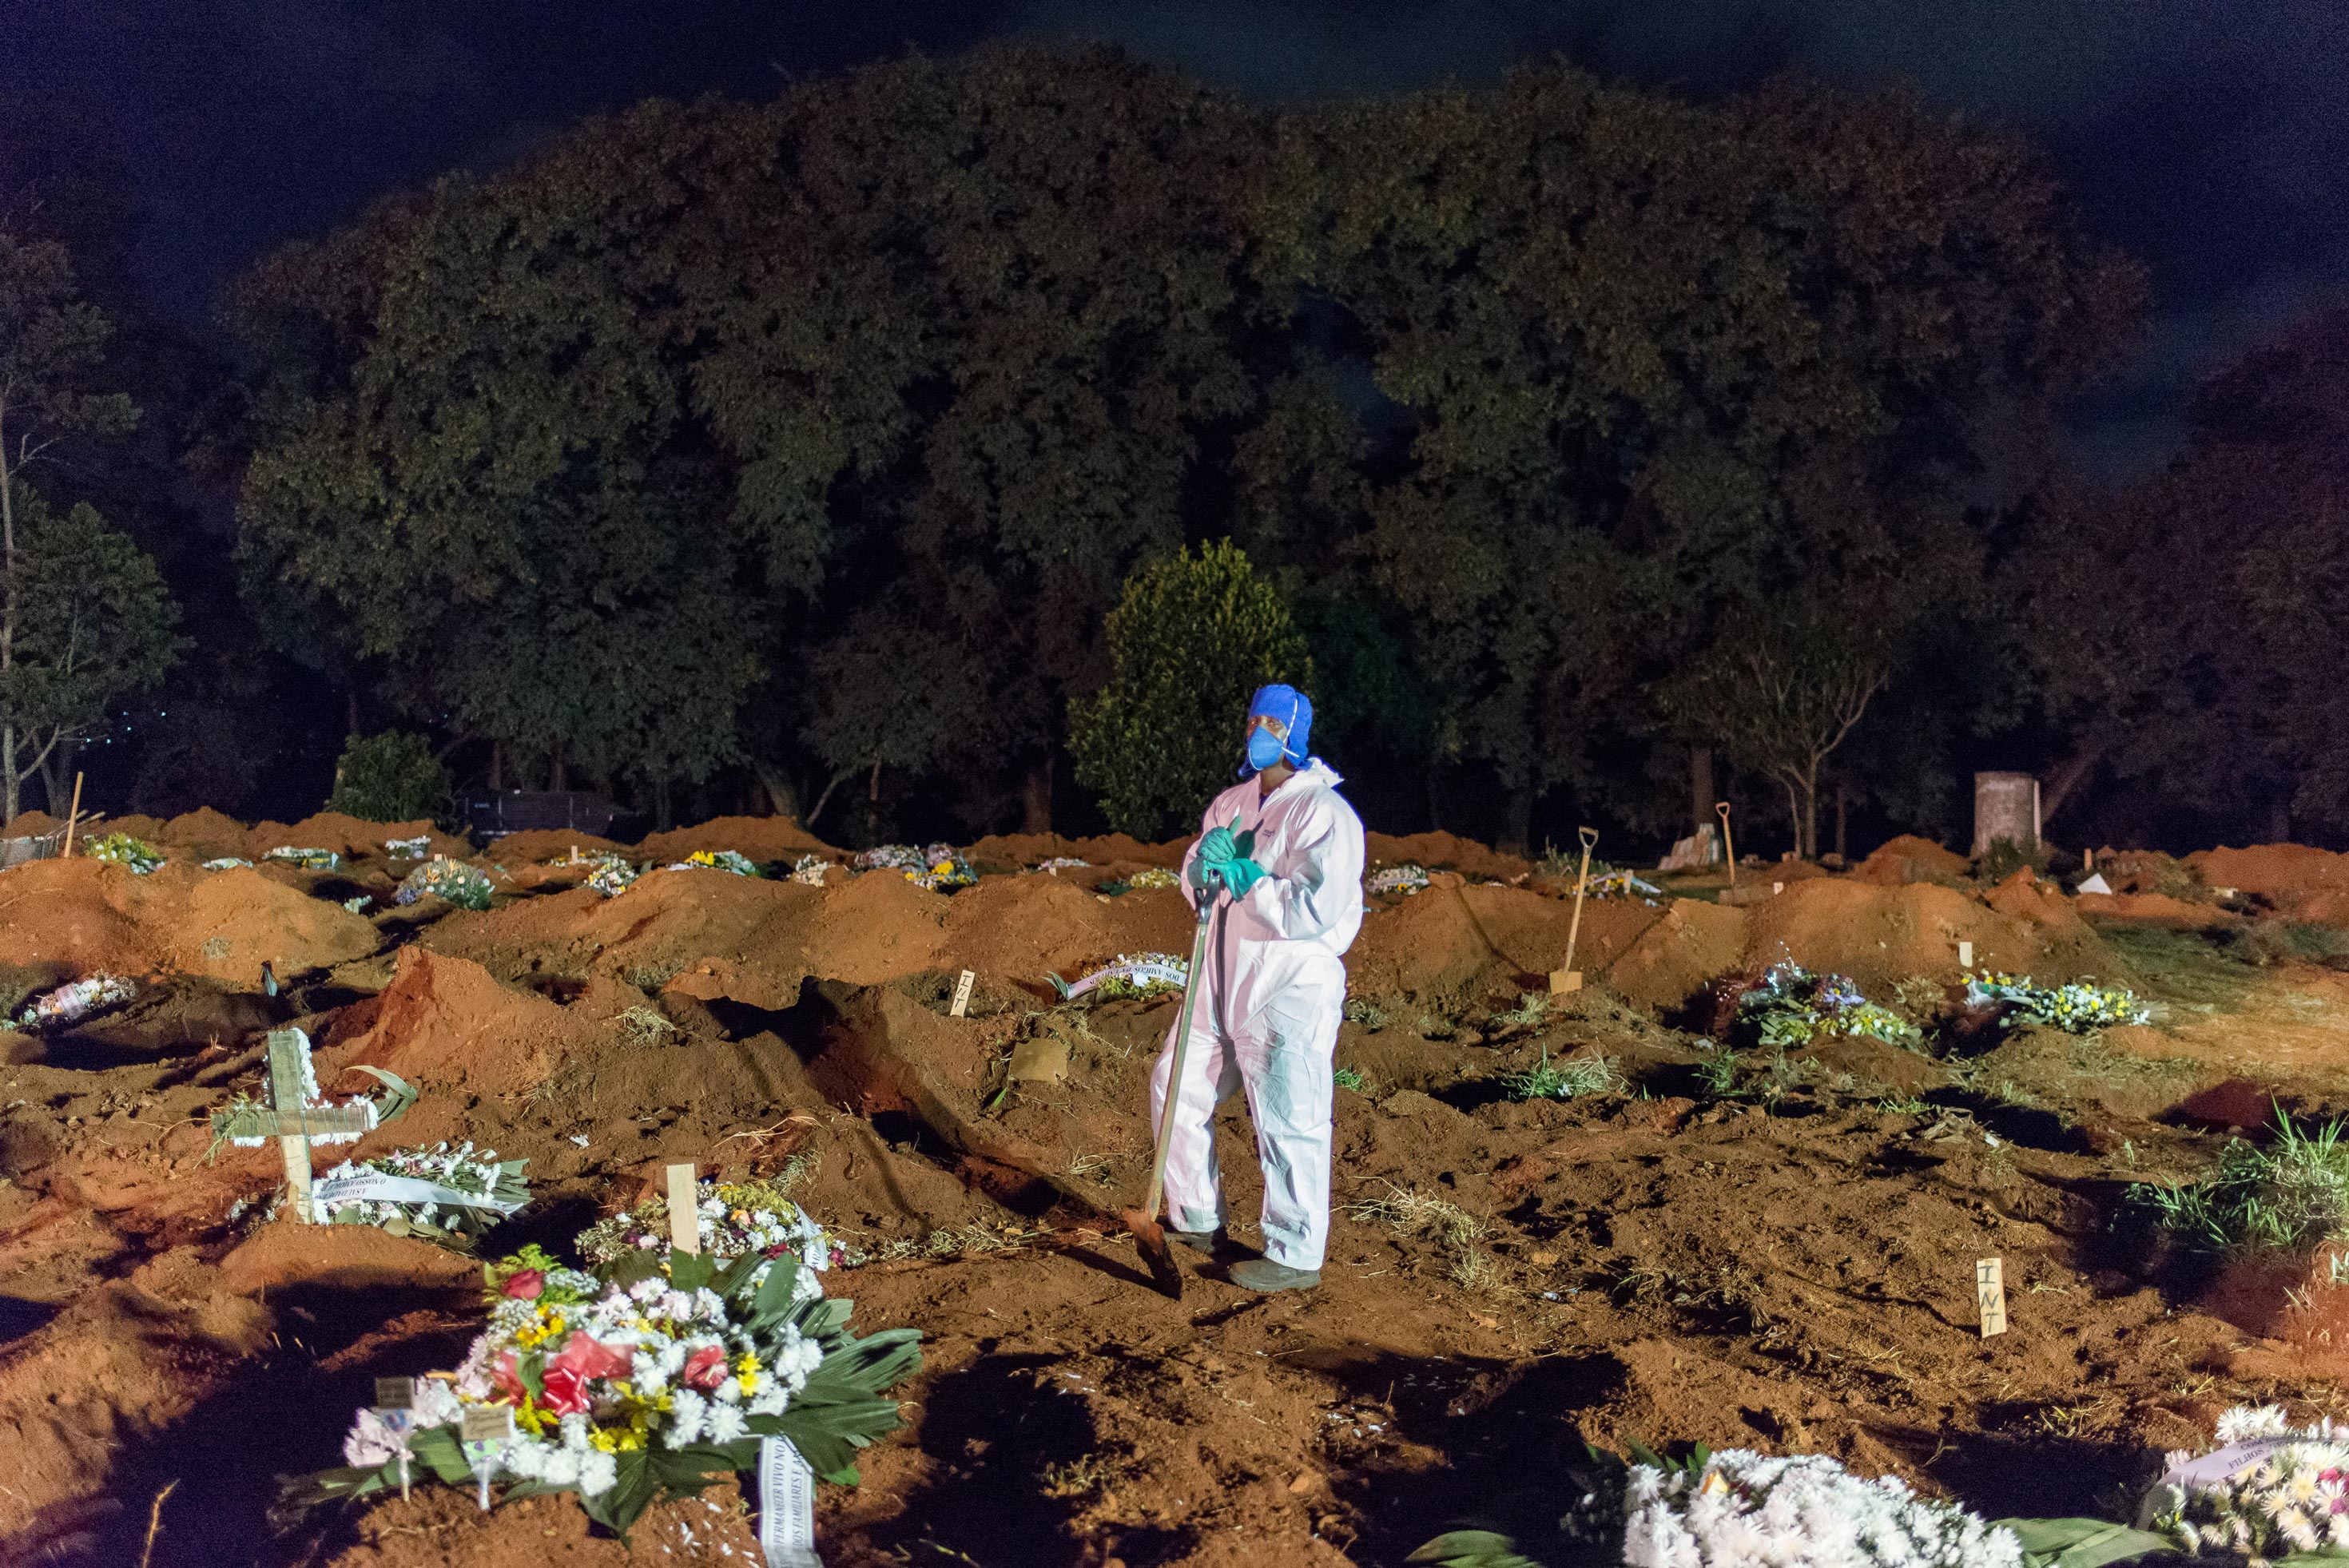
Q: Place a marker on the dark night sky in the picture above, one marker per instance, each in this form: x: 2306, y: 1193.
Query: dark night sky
x: 2209, y: 138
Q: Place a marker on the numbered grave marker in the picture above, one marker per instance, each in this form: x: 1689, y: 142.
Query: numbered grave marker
x: 1965, y: 955
x: 1990, y: 1296
x: 962, y: 994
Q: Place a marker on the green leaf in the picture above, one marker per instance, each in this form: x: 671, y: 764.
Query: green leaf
x: 440, y: 1449
x: 2081, y: 1542
x: 630, y: 1495
x: 1473, y: 1549
x: 532, y: 1370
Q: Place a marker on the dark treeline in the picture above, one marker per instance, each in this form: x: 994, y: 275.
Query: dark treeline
x: 1610, y: 451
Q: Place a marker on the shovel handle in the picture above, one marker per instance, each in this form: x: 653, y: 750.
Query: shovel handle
x: 1196, y: 982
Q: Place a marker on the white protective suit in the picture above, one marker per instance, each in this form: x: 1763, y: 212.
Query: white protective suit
x: 1268, y: 1016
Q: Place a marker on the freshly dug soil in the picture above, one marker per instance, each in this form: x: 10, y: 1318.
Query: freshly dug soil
x: 1789, y: 1268
x: 1910, y: 859
x: 758, y: 838
x: 1443, y: 851
x: 2300, y: 882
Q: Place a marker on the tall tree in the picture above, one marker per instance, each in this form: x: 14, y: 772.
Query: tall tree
x: 50, y: 342
x: 1020, y: 279
x: 1653, y: 352
x: 485, y: 468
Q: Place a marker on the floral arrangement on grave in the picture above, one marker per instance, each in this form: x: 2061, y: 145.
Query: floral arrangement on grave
x: 136, y: 855
x: 937, y: 868
x: 414, y: 849
x: 1790, y: 1006
x: 1130, y: 975
x: 611, y: 875
x: 732, y: 860
x: 1149, y: 876
x: 1734, y: 1508
x: 226, y: 863
x: 2270, y: 1491
x: 443, y: 1194
x: 808, y: 869
x: 308, y: 860
x: 467, y: 887
x: 1058, y: 864
x: 2077, y: 1008
x: 650, y: 1377
x: 1407, y: 878
x: 75, y: 1000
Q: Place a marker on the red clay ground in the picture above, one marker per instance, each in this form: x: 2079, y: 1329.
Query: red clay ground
x: 1789, y: 1269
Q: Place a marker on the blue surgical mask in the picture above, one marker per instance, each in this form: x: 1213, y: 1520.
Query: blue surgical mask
x: 1263, y: 749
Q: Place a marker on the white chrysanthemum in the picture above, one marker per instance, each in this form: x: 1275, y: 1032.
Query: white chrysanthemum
x: 725, y: 1423
x: 688, y: 1412
x: 599, y: 1472
x: 647, y: 1289
x: 773, y: 1397
x: 2252, y: 1421
x: 1802, y: 1512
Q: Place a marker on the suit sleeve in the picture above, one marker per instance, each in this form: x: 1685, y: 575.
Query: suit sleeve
x: 1321, y: 882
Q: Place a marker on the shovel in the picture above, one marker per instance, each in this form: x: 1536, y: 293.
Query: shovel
x: 1149, y: 1231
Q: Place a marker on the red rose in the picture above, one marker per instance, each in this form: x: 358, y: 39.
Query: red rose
x: 527, y: 1284
x: 705, y: 1368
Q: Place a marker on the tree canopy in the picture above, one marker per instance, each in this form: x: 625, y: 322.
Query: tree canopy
x: 821, y: 435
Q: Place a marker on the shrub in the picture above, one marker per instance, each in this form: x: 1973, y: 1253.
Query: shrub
x: 389, y: 778
x: 1190, y: 641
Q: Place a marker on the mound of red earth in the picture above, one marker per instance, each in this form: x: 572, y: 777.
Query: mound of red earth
x: 1881, y: 936
x: 1910, y: 859
x: 1443, y: 851
x: 70, y: 918
x: 2297, y: 882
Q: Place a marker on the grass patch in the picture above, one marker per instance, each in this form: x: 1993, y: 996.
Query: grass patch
x: 1416, y: 1215
x: 645, y: 1026
x: 2293, y: 1192
x: 1350, y: 1079
x: 1532, y: 1008
x: 652, y: 976
x: 1587, y: 1072
x: 1363, y: 1011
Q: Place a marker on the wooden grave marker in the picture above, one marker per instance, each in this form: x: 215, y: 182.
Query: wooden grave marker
x: 1990, y: 1295
x: 291, y: 1119
x: 684, y: 1209
x: 962, y: 994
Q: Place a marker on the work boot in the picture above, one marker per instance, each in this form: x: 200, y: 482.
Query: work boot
x: 1264, y: 1276
x: 1207, y: 1242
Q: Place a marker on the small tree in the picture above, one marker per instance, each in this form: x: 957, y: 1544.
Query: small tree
x: 90, y: 621
x: 1190, y: 641
x: 50, y: 339
x: 389, y: 778
x: 1780, y: 689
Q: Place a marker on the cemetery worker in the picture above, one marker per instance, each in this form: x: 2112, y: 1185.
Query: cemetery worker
x: 1288, y: 849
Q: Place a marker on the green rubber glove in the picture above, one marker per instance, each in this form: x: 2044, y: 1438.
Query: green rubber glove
x: 1241, y: 875
x: 1216, y: 845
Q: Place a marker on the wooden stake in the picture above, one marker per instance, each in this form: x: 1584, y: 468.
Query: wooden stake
x: 1728, y: 844
x: 72, y: 816
x: 1990, y: 1296
x: 962, y: 994
x: 684, y: 1209
x: 1565, y: 981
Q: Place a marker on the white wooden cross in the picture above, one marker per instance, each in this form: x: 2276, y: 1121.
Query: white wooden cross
x: 292, y: 1117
